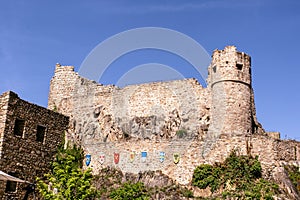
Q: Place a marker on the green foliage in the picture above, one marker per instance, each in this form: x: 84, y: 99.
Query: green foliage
x: 67, y: 180
x: 206, y: 175
x: 238, y: 176
x: 294, y: 175
x: 55, y: 108
x: 181, y: 133
x: 187, y: 193
x: 134, y: 191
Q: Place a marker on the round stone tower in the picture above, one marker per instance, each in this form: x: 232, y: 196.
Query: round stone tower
x: 230, y: 83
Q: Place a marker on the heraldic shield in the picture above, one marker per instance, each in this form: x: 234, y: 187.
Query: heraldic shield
x: 176, y: 158
x: 102, y: 158
x: 116, y: 158
x: 132, y: 156
x: 162, y: 156
x: 88, y: 159
x: 144, y: 156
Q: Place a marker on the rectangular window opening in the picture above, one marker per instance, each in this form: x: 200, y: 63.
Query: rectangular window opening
x: 239, y: 66
x: 11, y: 186
x: 215, y: 69
x: 19, y: 127
x: 40, y: 133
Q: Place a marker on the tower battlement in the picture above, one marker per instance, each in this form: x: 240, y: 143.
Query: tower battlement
x: 230, y: 65
x: 59, y: 68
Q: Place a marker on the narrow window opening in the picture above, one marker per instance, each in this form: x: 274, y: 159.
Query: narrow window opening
x: 226, y: 62
x: 215, y: 69
x: 40, y: 133
x: 239, y: 66
x: 19, y: 127
x: 11, y: 186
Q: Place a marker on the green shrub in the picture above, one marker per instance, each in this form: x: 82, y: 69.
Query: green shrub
x: 181, y: 133
x: 67, y: 180
x: 134, y: 191
x: 238, y: 176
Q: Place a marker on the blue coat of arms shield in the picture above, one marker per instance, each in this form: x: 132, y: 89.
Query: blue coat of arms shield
x: 144, y: 156
x: 162, y: 156
x: 88, y: 159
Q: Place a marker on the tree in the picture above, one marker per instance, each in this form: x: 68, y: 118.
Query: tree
x: 67, y: 180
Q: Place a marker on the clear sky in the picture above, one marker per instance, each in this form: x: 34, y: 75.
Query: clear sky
x: 35, y: 35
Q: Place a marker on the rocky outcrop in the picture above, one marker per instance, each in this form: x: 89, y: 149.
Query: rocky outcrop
x: 281, y: 177
x: 158, y: 185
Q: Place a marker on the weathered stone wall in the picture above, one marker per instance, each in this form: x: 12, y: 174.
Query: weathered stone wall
x: 23, y: 154
x: 108, y: 113
x: 63, y: 83
x: 159, y: 110
x: 3, y: 110
x: 272, y: 153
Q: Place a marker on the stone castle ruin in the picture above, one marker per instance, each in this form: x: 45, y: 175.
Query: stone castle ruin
x: 156, y: 111
x: 171, y: 126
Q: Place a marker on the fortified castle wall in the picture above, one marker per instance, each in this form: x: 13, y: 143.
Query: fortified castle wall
x: 170, y: 126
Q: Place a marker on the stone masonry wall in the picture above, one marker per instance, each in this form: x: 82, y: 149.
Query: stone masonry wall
x: 270, y: 151
x: 64, y: 82
x: 23, y: 154
x: 108, y: 113
x: 159, y: 110
x: 3, y: 110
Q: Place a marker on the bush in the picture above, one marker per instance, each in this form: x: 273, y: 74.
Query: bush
x: 181, y: 133
x: 134, y: 191
x: 67, y: 180
x: 237, y: 176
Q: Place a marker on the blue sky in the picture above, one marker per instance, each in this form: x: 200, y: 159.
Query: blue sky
x: 34, y: 35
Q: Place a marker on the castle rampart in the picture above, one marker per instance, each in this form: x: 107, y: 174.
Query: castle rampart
x: 148, y: 126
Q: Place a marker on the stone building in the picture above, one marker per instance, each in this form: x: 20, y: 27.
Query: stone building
x: 29, y: 137
x: 170, y: 126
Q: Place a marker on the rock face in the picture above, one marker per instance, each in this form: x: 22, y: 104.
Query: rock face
x: 169, y: 126
x: 281, y: 177
x: 29, y: 136
x: 158, y: 185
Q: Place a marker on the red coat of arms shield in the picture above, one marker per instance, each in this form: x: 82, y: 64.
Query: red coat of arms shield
x: 116, y: 158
